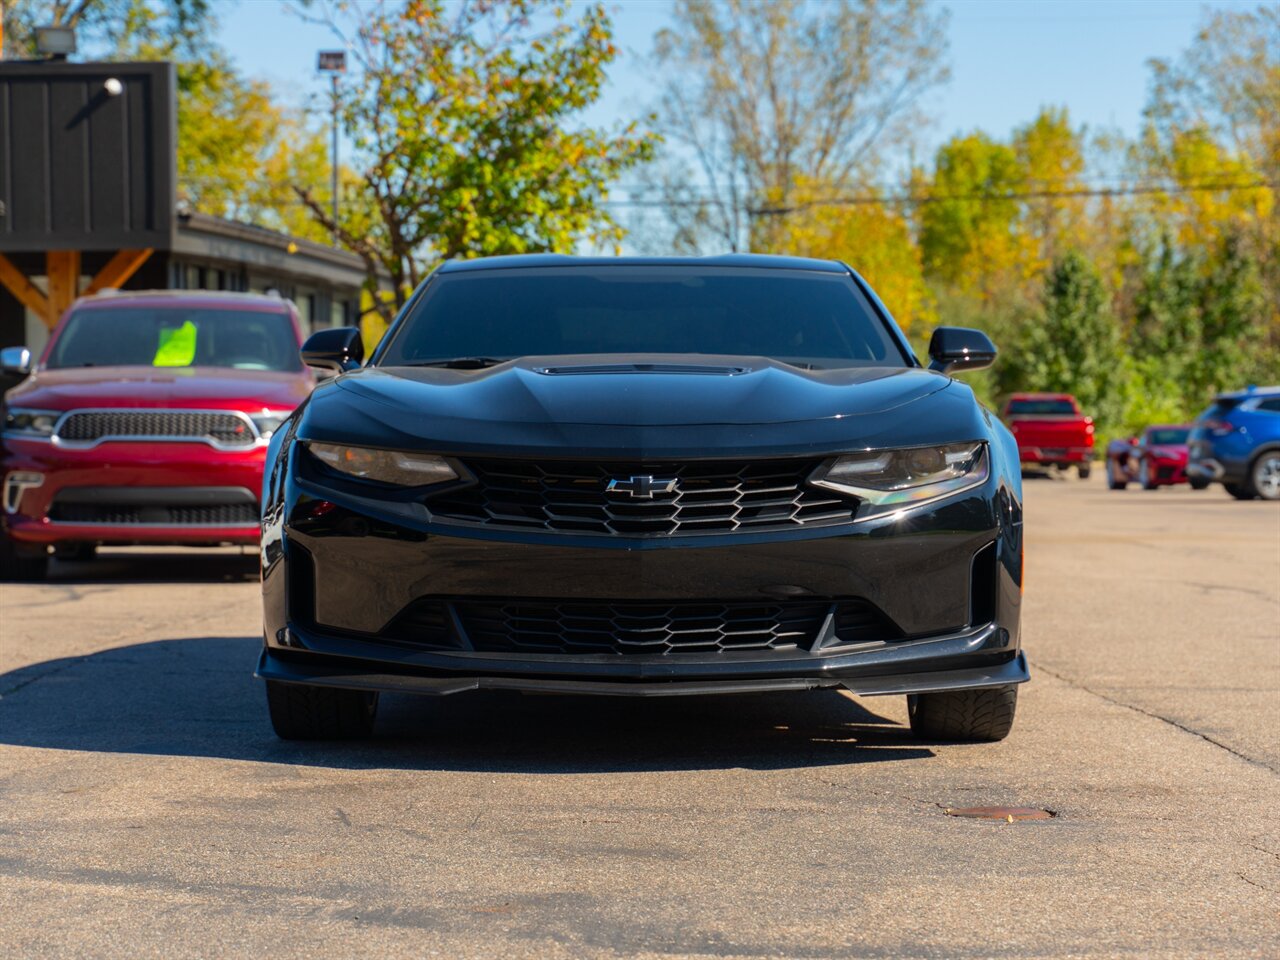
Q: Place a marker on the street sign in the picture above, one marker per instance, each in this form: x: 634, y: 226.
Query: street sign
x: 332, y: 61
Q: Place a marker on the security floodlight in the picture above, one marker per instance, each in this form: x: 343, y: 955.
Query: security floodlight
x: 54, y: 41
x: 332, y: 61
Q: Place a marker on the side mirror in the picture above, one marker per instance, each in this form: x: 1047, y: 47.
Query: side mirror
x: 335, y: 350
x: 15, y: 361
x: 959, y: 349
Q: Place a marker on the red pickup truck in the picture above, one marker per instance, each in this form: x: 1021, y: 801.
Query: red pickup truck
x: 1050, y: 430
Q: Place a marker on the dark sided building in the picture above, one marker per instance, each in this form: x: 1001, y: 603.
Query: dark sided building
x: 88, y: 203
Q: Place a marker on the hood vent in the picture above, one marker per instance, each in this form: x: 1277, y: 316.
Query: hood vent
x: 599, y: 368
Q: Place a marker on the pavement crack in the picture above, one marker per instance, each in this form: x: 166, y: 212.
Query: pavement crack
x: 1254, y: 883
x: 40, y: 675
x: 1269, y: 853
x: 1157, y: 716
x: 1208, y: 588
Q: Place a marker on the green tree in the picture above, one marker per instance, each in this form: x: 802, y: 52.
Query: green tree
x: 970, y: 235
x: 238, y: 149
x: 1073, y: 343
x: 468, y: 141
x: 1051, y: 161
x: 1166, y: 325
x: 109, y: 28
x: 1213, y: 119
x: 1233, y: 310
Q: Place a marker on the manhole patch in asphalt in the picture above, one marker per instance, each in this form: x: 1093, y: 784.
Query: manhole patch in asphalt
x: 1007, y: 814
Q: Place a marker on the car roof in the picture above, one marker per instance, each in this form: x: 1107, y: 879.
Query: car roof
x: 190, y: 298
x: 1041, y: 396
x: 1170, y: 426
x: 1248, y: 392
x: 534, y: 260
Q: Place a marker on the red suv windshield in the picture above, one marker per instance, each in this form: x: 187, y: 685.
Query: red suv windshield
x: 177, y: 336
x: 1040, y: 408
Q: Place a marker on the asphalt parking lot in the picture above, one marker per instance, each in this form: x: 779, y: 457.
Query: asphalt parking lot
x: 147, y: 809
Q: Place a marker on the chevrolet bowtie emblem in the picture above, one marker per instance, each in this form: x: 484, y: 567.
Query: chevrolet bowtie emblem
x: 642, y: 487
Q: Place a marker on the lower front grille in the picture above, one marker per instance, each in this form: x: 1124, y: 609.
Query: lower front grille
x: 168, y: 515
x: 646, y: 627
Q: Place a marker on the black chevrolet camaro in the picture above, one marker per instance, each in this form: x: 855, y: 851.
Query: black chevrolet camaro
x: 643, y: 477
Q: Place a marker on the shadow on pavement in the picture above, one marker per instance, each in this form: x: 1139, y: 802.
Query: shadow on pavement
x: 197, y: 698
x: 217, y: 565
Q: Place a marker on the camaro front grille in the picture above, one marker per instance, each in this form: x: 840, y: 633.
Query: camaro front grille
x: 227, y: 429
x: 650, y: 499
x: 637, y: 627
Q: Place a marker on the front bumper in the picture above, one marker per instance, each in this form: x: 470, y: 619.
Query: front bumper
x: 1052, y: 455
x: 339, y: 575
x: 968, y: 660
x: 127, y: 466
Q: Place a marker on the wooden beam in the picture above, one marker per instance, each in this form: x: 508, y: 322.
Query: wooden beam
x: 117, y: 270
x: 28, y: 294
x: 62, y: 267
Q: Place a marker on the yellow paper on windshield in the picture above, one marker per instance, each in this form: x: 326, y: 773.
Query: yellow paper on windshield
x: 177, y: 346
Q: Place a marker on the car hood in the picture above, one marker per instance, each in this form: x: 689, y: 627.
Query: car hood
x: 151, y: 387
x: 634, y: 391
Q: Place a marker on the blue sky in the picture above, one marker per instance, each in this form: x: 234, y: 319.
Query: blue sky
x: 1008, y: 57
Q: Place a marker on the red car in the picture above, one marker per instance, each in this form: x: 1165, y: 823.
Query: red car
x: 146, y: 421
x: 1050, y: 430
x: 1156, y: 459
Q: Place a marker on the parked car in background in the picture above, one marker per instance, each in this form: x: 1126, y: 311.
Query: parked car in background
x: 1158, y: 458
x: 146, y: 421
x: 1051, y: 431
x: 1236, y: 441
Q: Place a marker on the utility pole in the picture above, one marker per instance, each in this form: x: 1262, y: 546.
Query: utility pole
x: 334, y: 63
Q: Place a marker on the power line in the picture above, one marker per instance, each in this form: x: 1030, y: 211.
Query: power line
x: 918, y: 199
x: 880, y: 199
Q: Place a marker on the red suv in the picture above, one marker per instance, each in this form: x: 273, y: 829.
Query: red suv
x: 146, y: 421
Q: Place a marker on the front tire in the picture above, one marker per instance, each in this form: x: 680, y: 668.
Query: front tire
x: 965, y: 716
x: 303, y: 712
x: 1145, y: 476
x: 1083, y: 470
x: 19, y: 567
x: 1264, y: 475
x: 76, y: 552
x: 1198, y: 484
x: 1239, y: 490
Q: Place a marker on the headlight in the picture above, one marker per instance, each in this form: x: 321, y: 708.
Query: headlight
x: 891, y: 479
x: 268, y: 422
x: 31, y: 423
x: 387, y: 466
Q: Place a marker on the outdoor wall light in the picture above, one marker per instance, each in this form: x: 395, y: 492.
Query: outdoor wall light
x: 55, y: 41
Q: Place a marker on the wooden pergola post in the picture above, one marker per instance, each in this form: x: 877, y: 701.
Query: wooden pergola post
x: 62, y: 268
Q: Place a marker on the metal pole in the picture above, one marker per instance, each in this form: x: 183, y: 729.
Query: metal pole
x: 333, y: 173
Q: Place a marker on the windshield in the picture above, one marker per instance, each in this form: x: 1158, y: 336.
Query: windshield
x: 1166, y: 437
x: 798, y: 316
x: 1218, y: 409
x: 177, y: 336
x: 1040, y: 408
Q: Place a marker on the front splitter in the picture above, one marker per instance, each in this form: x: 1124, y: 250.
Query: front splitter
x: 273, y: 667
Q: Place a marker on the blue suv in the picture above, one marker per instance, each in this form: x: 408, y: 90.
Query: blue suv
x: 1237, y: 441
